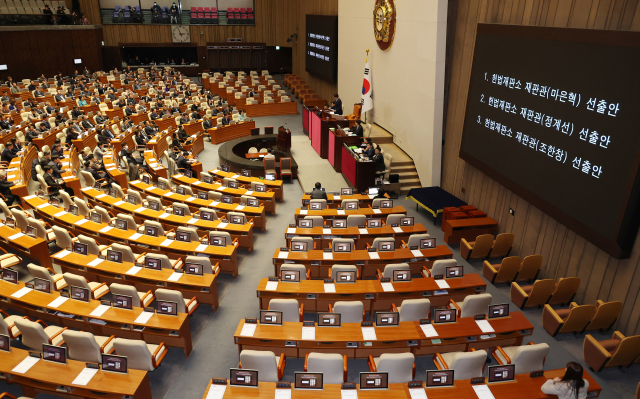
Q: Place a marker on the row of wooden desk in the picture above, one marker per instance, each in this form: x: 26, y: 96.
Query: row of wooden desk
x: 275, y: 185
x: 330, y: 213
x: 334, y: 200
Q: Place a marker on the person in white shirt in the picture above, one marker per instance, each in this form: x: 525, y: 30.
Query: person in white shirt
x: 571, y: 386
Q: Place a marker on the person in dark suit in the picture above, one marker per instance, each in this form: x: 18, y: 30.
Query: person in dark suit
x: 57, y: 150
x: 30, y: 134
x: 7, y: 153
x: 75, y: 112
x: 369, y: 151
x: 129, y: 110
x: 318, y: 193
x: 101, y: 118
x: 206, y: 124
x: 359, y: 130
x: 86, y: 123
x: 17, y: 148
x: 54, y: 186
x: 337, y: 107
x: 196, y: 115
x: 184, y: 163
x: 226, y: 120
x: 379, y: 159
x: 5, y: 189
x: 56, y: 166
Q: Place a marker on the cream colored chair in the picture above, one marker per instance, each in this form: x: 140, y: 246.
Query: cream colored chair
x: 205, y: 262
x: 41, y: 230
x: 291, y: 267
x: 165, y: 262
x: 237, y: 215
x: 211, y: 211
x: 333, y: 366
x: 56, y: 280
x: 98, y: 290
x: 337, y: 241
x: 221, y: 237
x: 308, y: 240
x: 527, y: 358
x: 184, y: 305
x: 131, y: 222
x: 356, y: 220
x: 390, y: 268
x: 414, y: 240
x: 291, y: 310
x: 21, y: 219
x: 439, y: 267
x: 400, y: 366
x: 86, y: 347
x: 335, y: 269
x: 193, y: 233
x: 270, y: 368
x: 140, y: 299
x: 322, y: 203
x: 140, y: 355
x: 92, y: 246
x: 350, y: 311
x: 466, y: 365
x: 394, y: 218
x: 119, y: 192
x: 34, y: 335
x: 83, y: 207
x: 472, y: 305
x: 316, y: 221
x: 413, y: 309
x: 127, y: 253
x: 8, y: 324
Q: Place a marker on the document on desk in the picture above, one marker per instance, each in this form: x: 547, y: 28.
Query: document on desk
x: 175, y: 276
x: 177, y: 176
x: 95, y: 262
x: 309, y: 333
x: 271, y: 286
x: 192, y: 221
x: 429, y: 330
x: 216, y: 391
x: 418, y: 393
x: 105, y: 229
x: 485, y: 326
x: 327, y: 255
x: 21, y: 292
x: 99, y: 311
x: 387, y: 287
x: 249, y: 192
x: 303, y: 211
x: 201, y: 248
x: 398, y: 230
x: 329, y: 287
x: 168, y: 194
x: 222, y: 225
x: 166, y: 243
x: 135, y: 236
x: 46, y: 204
x: 239, y: 207
x: 144, y: 317
x: 283, y: 254
x: 483, y: 391
x: 197, y: 183
x: 326, y: 231
x: 214, y: 203
x: 221, y: 188
x: 442, y: 284
x: 80, y: 222
x: 118, y: 203
x: 57, y: 302
x: 25, y: 365
x: 374, y: 255
x: 235, y: 176
x: 85, y: 376
x: 16, y: 236
x: 141, y: 209
x: 291, y: 230
x: 134, y: 182
x: 377, y: 211
x: 283, y: 394
x: 164, y: 215
x: 190, y: 199
x: 28, y: 197
x: 349, y: 394
x: 134, y: 270
x: 248, y: 329
x: 363, y: 231
x: 100, y: 196
x: 416, y: 253
x: 336, y: 198
x: 340, y: 211
x: 369, y: 333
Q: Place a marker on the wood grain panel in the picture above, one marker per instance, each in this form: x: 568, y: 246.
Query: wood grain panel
x: 565, y: 252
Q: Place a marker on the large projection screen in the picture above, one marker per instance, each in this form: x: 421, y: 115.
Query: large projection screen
x: 553, y: 115
x: 321, y: 46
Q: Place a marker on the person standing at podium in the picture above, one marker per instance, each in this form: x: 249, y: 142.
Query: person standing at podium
x: 359, y: 130
x: 337, y: 104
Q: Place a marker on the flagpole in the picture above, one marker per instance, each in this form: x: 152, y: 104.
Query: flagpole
x: 365, y: 61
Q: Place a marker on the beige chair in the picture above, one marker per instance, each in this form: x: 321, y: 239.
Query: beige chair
x: 565, y: 291
x: 317, y: 221
x: 335, y: 269
x: 245, y: 198
x: 83, y: 207
x: 212, y: 211
x: 504, y: 272
x: 140, y: 355
x: 390, y: 268
x: 131, y: 222
x: 237, y: 215
x: 606, y: 316
x: 56, y: 280
x: 92, y: 246
x: 291, y: 267
x: 86, y: 347
x: 34, y: 335
x: 394, y: 218
x: 336, y: 241
x: 529, y: 296
x: 527, y: 358
x: 322, y: 203
x: 21, y: 219
x: 309, y: 240
x: 478, y: 249
x: 472, y: 305
x: 137, y: 196
x: 221, y: 237
x: 619, y: 351
x: 466, y: 365
x: 413, y: 309
x: 8, y: 324
x: 530, y: 268
x: 207, y: 268
x: 378, y: 243
x: 118, y: 189
x: 356, y: 220
x: 270, y: 368
x: 65, y: 198
x: 140, y: 299
x: 184, y: 305
x: 572, y: 320
x: 41, y: 230
x: 439, y: 267
x: 400, y: 366
x: 106, y: 216
x: 127, y: 253
x: 8, y: 260
x: 193, y: 233
x: 346, y: 203
x: 291, y: 310
x: 333, y: 366
x: 350, y: 311
x: 98, y: 290
x: 414, y: 240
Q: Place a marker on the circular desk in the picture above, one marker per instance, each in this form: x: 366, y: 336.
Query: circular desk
x: 233, y: 152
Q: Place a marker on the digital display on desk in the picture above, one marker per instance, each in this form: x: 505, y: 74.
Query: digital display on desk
x: 400, y: 276
x: 205, y: 215
x: 308, y: 380
x: 270, y: 176
x: 79, y: 293
x: 226, y: 199
x: 292, y: 276
x: 387, y: 319
x: 168, y: 308
x: 244, y: 378
x: 321, y: 46
x: 114, y: 363
x: 346, y: 191
x: 444, y: 315
x: 552, y: 115
x: 73, y: 209
x: 152, y: 263
x: 10, y: 276
x: 233, y: 184
x: 339, y: 224
x: 502, y: 373
x: 315, y: 206
x: 246, y: 172
x: 80, y: 248
x: 346, y: 277
x: 122, y: 301
x: 193, y: 268
x: 299, y: 246
x: 260, y: 188
x: 5, y: 344
x: 154, y: 205
x: 351, y: 205
x: 497, y: 311
x: 132, y: 199
x: 427, y: 243
x: 235, y: 219
x: 96, y: 217
x: 440, y: 378
x: 183, y: 236
x: 178, y: 211
x: 386, y: 204
x: 207, y: 178
x: 42, y: 285
x: 271, y: 317
x: 305, y: 223
x: 56, y: 354
x: 326, y: 319
x: 180, y: 190
x: 114, y: 256
x: 374, y: 380
x: 406, y: 221
x: 121, y: 224
x: 454, y: 271
x: 342, y: 247
x: 151, y: 231
x: 217, y: 241
x: 373, y: 223
x: 386, y: 246
x: 253, y: 202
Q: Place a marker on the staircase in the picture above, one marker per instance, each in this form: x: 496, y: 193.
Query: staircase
x: 408, y: 175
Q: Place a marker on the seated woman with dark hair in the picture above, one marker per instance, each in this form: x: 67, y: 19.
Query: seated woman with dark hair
x: 571, y: 386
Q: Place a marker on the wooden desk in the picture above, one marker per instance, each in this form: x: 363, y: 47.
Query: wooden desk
x: 46, y: 377
x: 524, y: 387
x: 275, y: 185
x: 255, y: 155
x: 168, y: 197
x: 361, y: 238
x: 359, y: 174
x: 508, y: 332
x: 338, y: 138
x: 174, y: 331
x: 266, y: 199
x: 334, y: 201
x: 288, y: 108
x: 336, y: 214
x: 196, y: 146
x: 230, y: 132
x: 34, y: 248
x: 319, y: 266
x: 119, y: 176
x: 48, y: 139
x: 370, y: 292
x: 156, y: 169
x: 469, y: 229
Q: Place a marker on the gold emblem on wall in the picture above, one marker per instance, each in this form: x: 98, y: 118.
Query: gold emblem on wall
x: 384, y: 23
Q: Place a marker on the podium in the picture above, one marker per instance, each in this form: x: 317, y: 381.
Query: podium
x: 284, y: 139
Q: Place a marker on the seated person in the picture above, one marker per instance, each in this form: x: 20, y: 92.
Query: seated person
x: 318, y: 193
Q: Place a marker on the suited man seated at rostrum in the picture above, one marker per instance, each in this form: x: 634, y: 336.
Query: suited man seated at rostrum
x: 318, y: 192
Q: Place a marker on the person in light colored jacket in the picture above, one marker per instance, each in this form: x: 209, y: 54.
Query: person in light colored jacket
x: 571, y: 386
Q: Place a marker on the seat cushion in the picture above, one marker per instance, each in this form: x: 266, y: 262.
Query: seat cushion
x: 11, y: 320
x: 100, y: 291
x: 51, y: 236
x: 51, y: 330
x: 152, y: 348
x: 101, y: 340
x: 9, y: 260
x: 511, y: 351
x: 60, y: 283
x: 611, y: 345
x: 563, y: 313
x: 189, y: 307
x: 527, y: 288
x: 448, y: 358
x: 147, y: 300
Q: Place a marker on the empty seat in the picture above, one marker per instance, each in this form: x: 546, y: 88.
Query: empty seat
x: 304, y: 273
x: 472, y: 305
x: 335, y: 269
x: 350, y: 311
x: 317, y: 221
x: 307, y: 240
x: 504, y: 272
x: 529, y: 296
x: 56, y: 280
x: 270, y: 368
x: 337, y: 241
x: 333, y: 366
x: 183, y: 304
x: 140, y: 355
x: 527, y: 358
x: 86, y: 347
x: 291, y: 311
x: 565, y: 291
x: 140, y: 299
x: 414, y: 240
x: 394, y: 219
x: 318, y: 204
x: 98, y: 290
x: 572, y: 320
x: 466, y: 365
x: 356, y: 220
x: 478, y: 249
x: 34, y: 335
x: 207, y: 268
x: 606, y: 315
x: 8, y: 324
x: 413, y: 309
x: 400, y: 366
x: 439, y: 267
x: 619, y: 351
x: 390, y: 268
x: 530, y: 268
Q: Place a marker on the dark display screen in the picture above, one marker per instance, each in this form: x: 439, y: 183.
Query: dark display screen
x: 321, y: 43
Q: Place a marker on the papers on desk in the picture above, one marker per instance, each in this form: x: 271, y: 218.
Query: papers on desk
x: 65, y: 178
x: 374, y: 255
x: 197, y: 183
x: 327, y: 255
x: 164, y: 216
x: 135, y: 236
x: 363, y: 231
x: 483, y: 391
x: 10, y: 176
x: 283, y: 254
x: 95, y: 262
x: 235, y: 176
x: 144, y: 317
x: 25, y: 365
x: 371, y: 196
x: 201, y: 248
x: 61, y: 213
x: 222, y: 225
x: 309, y: 333
x: 283, y: 394
x: 303, y: 211
x: 485, y: 326
x: 57, y: 302
x: 177, y: 176
x: 118, y: 203
x: 239, y: 207
x: 86, y: 188
x: 326, y: 231
x: 336, y: 197
x: 21, y: 292
x: 141, y: 209
x: 329, y: 287
x: 442, y: 284
x: 134, y: 182
x: 417, y: 253
x: 249, y: 192
x: 418, y: 393
x: 81, y: 221
x: 192, y: 221
x: 271, y: 286
x: 387, y: 287
x: 429, y: 330
x: 16, y: 236
x: 134, y: 270
x: 349, y: 393
x: 221, y: 188
x: 99, y: 311
x: 216, y: 391
x: 190, y: 199
x: 369, y: 333
x: 175, y: 276
x: 340, y: 211
x: 377, y: 211
x: 105, y: 229
x: 46, y: 204
x: 101, y: 195
x: 248, y: 329
x: 291, y: 230
x: 215, y: 171
x: 168, y: 194
x: 28, y: 197
x: 85, y: 376
x: 62, y: 254
x: 398, y: 230
x: 166, y: 243
x: 214, y: 203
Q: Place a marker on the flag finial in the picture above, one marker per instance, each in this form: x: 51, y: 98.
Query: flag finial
x: 367, y: 56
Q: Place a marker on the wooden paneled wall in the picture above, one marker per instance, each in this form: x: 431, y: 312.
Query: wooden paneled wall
x: 28, y: 54
x: 565, y: 252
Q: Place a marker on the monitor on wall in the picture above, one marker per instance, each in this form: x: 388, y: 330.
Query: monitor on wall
x: 321, y: 44
x: 552, y: 114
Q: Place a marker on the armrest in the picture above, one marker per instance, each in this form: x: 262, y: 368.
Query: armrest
x: 98, y: 287
x: 179, y: 261
x: 573, y: 305
x: 330, y: 308
x: 306, y: 361
x: 7, y: 395
x: 404, y: 244
x: 551, y: 321
x: 378, y: 274
x: 140, y: 256
x: 372, y: 364
x: 163, y: 347
x: 368, y: 246
x: 309, y: 274
x: 344, y: 376
x: 518, y: 296
x: 440, y: 363
x: 595, y: 355
x: 51, y: 338
x: 465, y: 249
x: 194, y: 299
x: 216, y: 268
x: 618, y: 335
x: 394, y: 308
x: 144, y: 296
x: 281, y: 364
x: 488, y: 271
x: 503, y: 353
x: 5, y: 314
x: 452, y: 302
x: 301, y: 312
x: 111, y: 338
x: 235, y: 242
x: 424, y: 269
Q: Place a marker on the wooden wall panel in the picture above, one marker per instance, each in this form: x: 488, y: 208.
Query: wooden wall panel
x: 565, y: 252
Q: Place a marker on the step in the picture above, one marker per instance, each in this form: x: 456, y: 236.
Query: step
x: 404, y: 176
x: 401, y: 169
x: 401, y: 163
